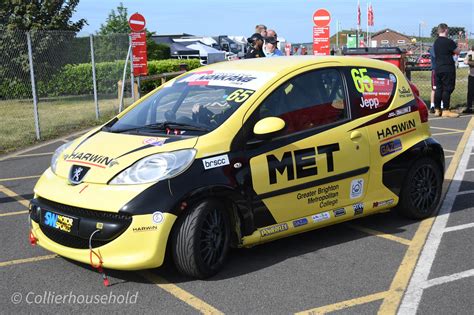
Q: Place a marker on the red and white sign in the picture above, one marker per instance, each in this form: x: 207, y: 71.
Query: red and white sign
x: 139, y: 57
x: 321, y: 45
x: 136, y: 22
x: 321, y: 18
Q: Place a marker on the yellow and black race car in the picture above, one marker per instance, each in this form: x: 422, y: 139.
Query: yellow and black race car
x: 237, y: 154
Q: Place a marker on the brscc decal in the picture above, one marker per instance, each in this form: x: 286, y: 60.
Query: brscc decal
x: 358, y: 208
x: 321, y: 217
x: 357, y: 188
x: 300, y: 222
x: 274, y: 229
x: 390, y: 147
x: 216, y: 161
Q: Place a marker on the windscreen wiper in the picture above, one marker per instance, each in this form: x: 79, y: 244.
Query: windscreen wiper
x: 166, y: 125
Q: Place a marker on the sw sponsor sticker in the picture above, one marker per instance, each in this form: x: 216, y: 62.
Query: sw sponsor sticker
x: 358, y: 208
x: 357, y: 188
x: 383, y: 203
x: 216, y: 161
x: 339, y: 212
x: 390, y: 147
x: 300, y: 222
x: 321, y: 217
x: 273, y: 229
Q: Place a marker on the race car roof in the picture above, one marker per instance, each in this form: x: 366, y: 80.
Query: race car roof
x: 285, y: 64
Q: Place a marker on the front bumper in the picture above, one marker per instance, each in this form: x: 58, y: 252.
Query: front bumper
x: 141, y: 245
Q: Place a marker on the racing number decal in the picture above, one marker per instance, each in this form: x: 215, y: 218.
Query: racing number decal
x: 239, y: 96
x: 362, y: 82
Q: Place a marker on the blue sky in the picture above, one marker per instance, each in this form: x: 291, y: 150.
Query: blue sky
x: 291, y: 19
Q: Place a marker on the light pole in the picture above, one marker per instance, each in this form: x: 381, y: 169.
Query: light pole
x: 420, y: 34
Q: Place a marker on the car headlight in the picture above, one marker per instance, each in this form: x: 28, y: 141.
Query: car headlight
x: 156, y: 167
x: 57, y: 154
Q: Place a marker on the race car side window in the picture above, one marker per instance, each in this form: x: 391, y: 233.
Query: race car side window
x: 370, y: 90
x: 312, y: 99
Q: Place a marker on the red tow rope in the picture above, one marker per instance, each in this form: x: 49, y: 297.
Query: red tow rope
x: 98, y: 266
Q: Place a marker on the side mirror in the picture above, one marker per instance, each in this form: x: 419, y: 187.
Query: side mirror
x: 268, y: 128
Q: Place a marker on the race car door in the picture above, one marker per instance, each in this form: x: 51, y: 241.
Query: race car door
x: 318, y: 163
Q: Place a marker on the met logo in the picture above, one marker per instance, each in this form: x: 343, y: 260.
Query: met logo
x: 50, y: 219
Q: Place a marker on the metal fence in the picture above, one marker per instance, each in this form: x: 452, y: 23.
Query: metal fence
x: 53, y: 81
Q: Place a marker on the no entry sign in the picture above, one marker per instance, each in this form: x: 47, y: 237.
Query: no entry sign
x: 136, y: 22
x: 321, y: 18
x: 321, y: 45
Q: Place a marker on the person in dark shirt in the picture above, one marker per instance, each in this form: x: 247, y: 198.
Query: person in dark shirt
x: 256, y: 44
x: 445, y: 70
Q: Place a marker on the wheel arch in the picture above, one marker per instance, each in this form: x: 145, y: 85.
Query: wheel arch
x: 236, y: 203
x: 395, y: 170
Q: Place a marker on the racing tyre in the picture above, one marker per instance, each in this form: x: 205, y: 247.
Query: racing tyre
x: 200, y: 241
x: 421, y: 190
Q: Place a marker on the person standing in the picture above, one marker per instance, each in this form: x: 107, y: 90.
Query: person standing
x: 469, y: 60
x: 271, y: 49
x: 433, y: 80
x: 261, y: 29
x: 256, y: 45
x: 445, y: 71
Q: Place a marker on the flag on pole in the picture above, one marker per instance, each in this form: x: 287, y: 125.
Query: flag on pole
x: 358, y: 14
x: 370, y: 16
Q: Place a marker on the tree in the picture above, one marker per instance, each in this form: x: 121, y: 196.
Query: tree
x: 52, y: 31
x: 116, y: 23
x: 453, y: 31
x: 28, y: 15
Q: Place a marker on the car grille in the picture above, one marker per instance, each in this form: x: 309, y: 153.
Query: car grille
x: 70, y: 240
x: 74, y: 241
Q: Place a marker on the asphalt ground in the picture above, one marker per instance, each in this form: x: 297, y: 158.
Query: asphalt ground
x: 379, y: 264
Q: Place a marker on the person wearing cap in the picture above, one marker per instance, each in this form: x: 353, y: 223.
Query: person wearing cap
x: 256, y: 45
x: 271, y: 49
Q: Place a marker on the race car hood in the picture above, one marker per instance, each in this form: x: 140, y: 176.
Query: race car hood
x: 104, y: 154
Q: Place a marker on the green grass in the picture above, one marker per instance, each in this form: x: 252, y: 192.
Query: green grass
x: 422, y: 79
x: 57, y: 117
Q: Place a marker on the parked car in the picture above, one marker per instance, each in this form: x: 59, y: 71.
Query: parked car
x: 424, y: 61
x: 237, y: 154
x: 460, y: 62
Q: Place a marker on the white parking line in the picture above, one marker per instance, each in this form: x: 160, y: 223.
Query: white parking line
x: 458, y: 227
x: 450, y: 278
x: 470, y: 170
x: 419, y: 280
x: 465, y: 192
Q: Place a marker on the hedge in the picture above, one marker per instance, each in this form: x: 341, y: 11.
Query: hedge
x: 76, y: 79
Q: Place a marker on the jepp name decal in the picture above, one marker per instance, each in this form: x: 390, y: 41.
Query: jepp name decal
x: 216, y: 161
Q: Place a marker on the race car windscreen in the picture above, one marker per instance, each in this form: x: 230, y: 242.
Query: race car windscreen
x: 196, y: 103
